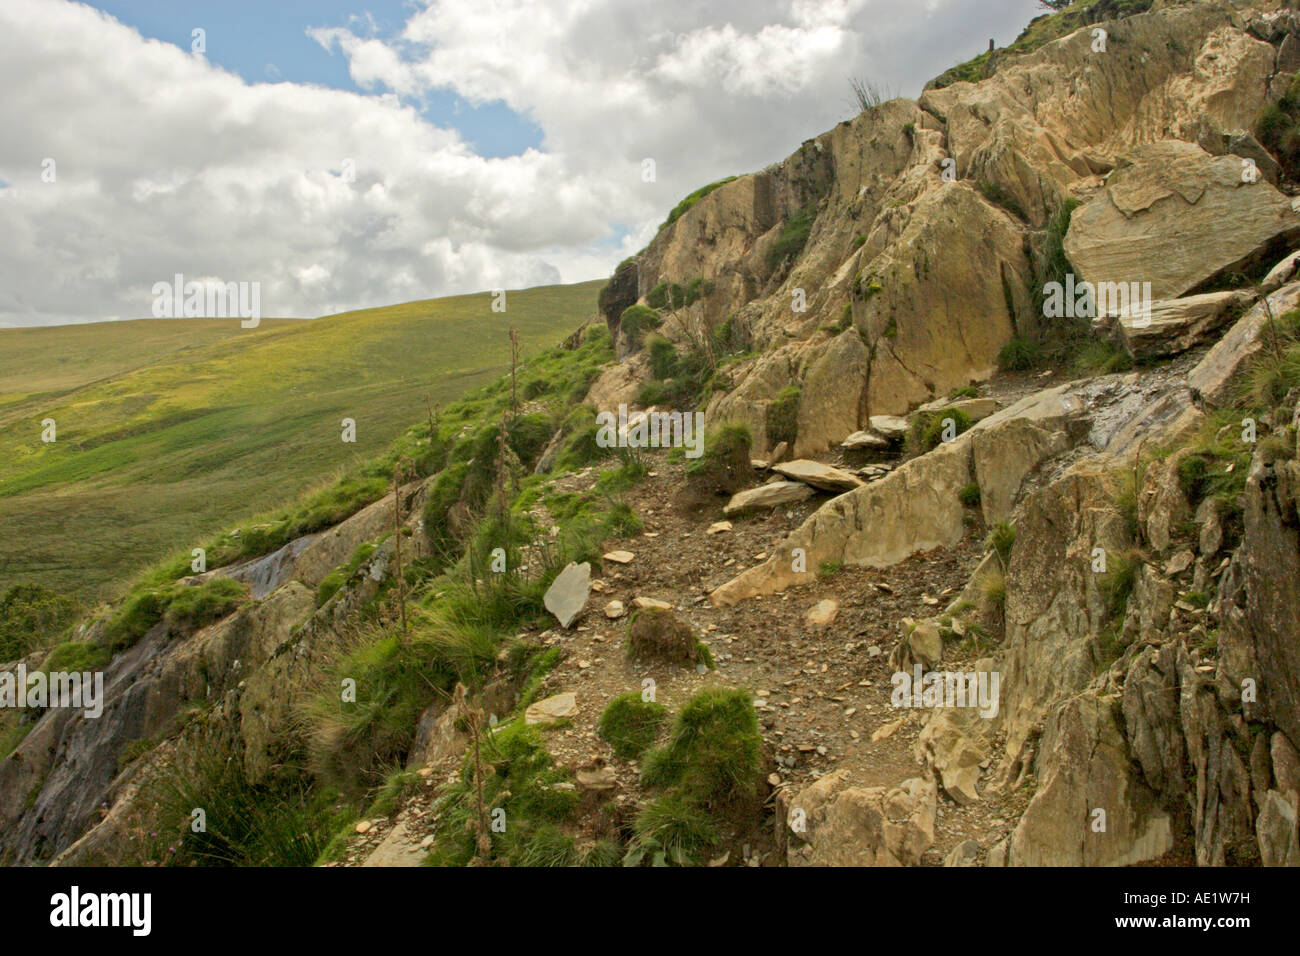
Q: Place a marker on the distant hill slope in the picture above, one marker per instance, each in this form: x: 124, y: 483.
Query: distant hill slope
x: 168, y: 430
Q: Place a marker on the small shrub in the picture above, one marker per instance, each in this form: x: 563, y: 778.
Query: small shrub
x: 636, y: 321
x: 32, y: 616
x: 970, y: 494
x: 631, y: 725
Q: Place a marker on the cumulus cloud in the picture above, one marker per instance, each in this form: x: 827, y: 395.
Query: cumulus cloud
x: 335, y: 199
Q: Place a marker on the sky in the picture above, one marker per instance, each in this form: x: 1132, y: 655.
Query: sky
x: 345, y: 154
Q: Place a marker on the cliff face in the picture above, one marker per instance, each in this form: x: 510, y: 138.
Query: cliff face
x: 928, y: 214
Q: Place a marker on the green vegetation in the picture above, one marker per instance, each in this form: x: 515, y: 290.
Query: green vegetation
x: 930, y: 428
x: 691, y: 200
x: 519, y: 783
x: 1278, y: 130
x: 1119, y: 579
x: 970, y: 494
x: 635, y: 322
x: 1001, y: 540
x: 1018, y: 355
x: 186, y: 608
x: 80, y: 656
x: 278, y: 821
x: 631, y: 725
x: 783, y: 416
x: 331, y: 583
x: 170, y: 429
x: 711, y: 764
x: 794, y: 235
x: 1069, y: 16
x: 725, y: 464
x: 32, y: 617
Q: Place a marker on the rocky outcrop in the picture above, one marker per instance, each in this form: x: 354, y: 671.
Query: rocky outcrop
x: 832, y: 823
x: 1176, y: 217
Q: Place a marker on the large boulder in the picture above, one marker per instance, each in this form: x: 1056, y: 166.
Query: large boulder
x: 1175, y: 218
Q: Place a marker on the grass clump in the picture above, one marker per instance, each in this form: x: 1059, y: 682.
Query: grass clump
x: 631, y: 725
x: 725, y: 464
x: 657, y: 634
x: 970, y: 494
x: 635, y: 323
x: 783, y: 416
x: 1001, y: 540
x: 521, y: 781
x: 928, y: 428
x: 1018, y: 355
x: 711, y: 764
x: 1119, y: 579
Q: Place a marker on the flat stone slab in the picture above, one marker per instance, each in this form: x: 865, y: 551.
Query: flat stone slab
x: 826, y: 477
x: 567, y: 595
x: 767, y: 496
x: 893, y: 427
x: 865, y: 440
x: 552, y: 708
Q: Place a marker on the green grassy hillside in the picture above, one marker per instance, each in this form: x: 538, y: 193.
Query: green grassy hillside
x: 168, y: 430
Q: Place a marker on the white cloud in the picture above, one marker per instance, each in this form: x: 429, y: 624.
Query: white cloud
x: 167, y: 164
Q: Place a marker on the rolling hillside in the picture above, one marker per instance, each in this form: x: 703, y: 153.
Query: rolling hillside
x: 170, y: 429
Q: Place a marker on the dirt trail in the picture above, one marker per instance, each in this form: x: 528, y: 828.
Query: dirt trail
x: 821, y: 692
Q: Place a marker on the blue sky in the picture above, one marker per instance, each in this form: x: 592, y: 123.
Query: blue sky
x: 266, y: 41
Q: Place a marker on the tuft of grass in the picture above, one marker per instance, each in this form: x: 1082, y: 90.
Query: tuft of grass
x: 1001, y: 540
x: 783, y: 416
x: 927, y: 428
x: 793, y: 237
x: 725, y: 463
x: 1119, y: 580
x: 1018, y: 355
x: 713, y: 753
x: 970, y: 494
x: 631, y: 725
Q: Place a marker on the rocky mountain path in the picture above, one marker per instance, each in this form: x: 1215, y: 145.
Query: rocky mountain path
x: 822, y: 691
